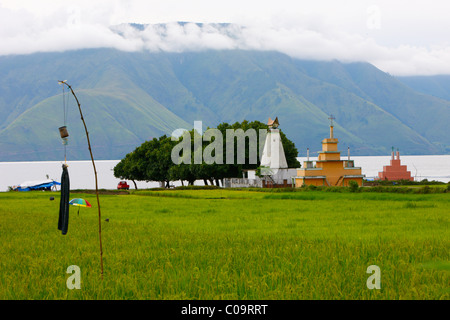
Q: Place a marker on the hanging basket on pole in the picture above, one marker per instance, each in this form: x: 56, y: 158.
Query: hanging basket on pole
x: 64, y: 135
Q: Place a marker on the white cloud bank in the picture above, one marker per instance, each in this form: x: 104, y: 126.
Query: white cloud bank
x: 306, y: 36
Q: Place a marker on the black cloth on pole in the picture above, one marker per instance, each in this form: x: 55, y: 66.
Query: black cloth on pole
x: 63, y: 221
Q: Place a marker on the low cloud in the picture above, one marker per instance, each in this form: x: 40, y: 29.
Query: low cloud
x: 62, y: 30
x: 307, y: 37
x: 295, y: 41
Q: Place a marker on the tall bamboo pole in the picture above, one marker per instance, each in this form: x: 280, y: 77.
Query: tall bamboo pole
x: 95, y: 173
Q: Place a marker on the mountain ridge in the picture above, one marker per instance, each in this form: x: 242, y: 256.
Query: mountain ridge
x: 130, y: 97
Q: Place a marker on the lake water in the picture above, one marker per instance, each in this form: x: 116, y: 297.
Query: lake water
x: 81, y: 173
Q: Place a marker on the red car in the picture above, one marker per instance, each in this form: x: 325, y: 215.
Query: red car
x: 123, y: 185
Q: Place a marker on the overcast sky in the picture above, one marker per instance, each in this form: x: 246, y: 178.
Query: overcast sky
x: 398, y: 36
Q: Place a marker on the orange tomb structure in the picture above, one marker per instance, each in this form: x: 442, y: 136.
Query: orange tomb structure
x: 329, y: 170
x: 395, y: 171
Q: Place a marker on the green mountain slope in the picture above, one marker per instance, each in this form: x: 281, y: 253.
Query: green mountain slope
x: 118, y: 113
x: 427, y: 116
x: 438, y: 86
x: 128, y: 98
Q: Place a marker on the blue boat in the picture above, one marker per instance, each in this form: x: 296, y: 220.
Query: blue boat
x: 37, y: 185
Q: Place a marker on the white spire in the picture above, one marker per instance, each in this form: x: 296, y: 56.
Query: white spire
x: 273, y: 154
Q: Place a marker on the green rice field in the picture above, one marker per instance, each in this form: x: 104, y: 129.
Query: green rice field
x: 227, y: 244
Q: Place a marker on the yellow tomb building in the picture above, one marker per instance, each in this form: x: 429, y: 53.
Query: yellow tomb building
x: 329, y: 170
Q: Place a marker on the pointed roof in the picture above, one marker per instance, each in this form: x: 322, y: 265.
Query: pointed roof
x: 273, y: 123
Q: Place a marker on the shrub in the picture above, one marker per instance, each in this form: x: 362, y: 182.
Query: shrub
x: 333, y: 189
x: 425, y: 189
x: 208, y: 187
x: 353, y: 185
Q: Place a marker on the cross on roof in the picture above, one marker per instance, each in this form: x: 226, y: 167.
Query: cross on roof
x: 331, y: 118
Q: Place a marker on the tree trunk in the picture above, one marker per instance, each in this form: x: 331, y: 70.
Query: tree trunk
x: 217, y: 183
x: 135, y: 185
x: 205, y: 181
x: 182, y: 183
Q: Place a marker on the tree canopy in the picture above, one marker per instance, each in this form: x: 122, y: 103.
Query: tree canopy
x: 152, y: 160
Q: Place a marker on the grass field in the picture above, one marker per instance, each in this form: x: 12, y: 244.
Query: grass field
x: 226, y: 244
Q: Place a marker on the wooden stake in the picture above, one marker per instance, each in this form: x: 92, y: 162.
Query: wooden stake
x: 95, y: 173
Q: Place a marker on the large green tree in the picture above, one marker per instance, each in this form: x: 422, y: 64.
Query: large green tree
x: 152, y: 160
x: 219, y: 171
x: 290, y: 150
x: 128, y: 169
